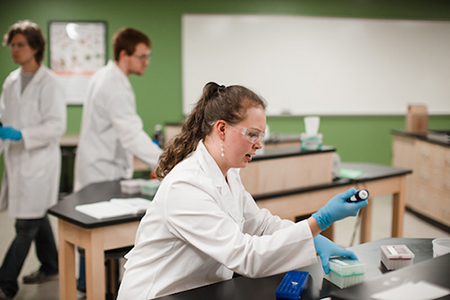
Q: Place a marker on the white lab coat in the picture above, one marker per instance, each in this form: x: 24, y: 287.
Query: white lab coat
x: 199, y: 230
x: 111, y: 131
x: 33, y: 165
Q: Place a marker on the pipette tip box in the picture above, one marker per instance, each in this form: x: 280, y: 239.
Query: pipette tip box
x: 395, y: 257
x: 131, y: 186
x: 149, y: 187
x: 345, y: 272
x: 292, y: 285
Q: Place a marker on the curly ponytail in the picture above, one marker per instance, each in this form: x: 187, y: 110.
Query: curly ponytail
x: 217, y: 103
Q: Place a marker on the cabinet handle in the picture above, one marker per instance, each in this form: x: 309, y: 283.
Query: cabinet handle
x: 424, y: 176
x: 446, y: 213
x: 447, y: 185
x: 422, y: 200
x: 425, y: 154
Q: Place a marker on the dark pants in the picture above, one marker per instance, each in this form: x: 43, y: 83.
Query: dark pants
x: 28, y: 230
x: 81, y: 282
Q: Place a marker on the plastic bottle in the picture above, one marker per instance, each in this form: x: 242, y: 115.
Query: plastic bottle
x: 159, y: 137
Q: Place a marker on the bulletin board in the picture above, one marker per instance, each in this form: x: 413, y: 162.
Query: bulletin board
x: 77, y: 51
x: 320, y: 65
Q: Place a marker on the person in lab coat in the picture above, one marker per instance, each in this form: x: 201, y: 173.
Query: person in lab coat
x: 34, y: 119
x: 203, y: 225
x: 111, y: 130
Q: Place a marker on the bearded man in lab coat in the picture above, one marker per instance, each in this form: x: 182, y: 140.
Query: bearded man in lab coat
x: 34, y: 119
x: 111, y: 130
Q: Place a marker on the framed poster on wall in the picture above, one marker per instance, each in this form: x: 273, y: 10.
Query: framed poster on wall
x: 76, y: 51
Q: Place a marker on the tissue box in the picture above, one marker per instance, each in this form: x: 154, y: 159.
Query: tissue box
x: 311, y: 142
x: 131, y: 186
x: 149, y: 187
x: 396, y: 256
x: 417, y: 119
x: 345, y: 272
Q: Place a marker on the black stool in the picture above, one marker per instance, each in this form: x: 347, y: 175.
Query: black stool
x: 112, y: 272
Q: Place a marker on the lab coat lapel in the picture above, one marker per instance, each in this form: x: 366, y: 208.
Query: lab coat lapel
x: 17, y: 84
x: 211, y: 168
x: 121, y: 75
x: 228, y: 199
x: 230, y: 204
x: 235, y: 190
x: 13, y: 118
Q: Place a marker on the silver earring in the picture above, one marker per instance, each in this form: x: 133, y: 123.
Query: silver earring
x: 221, y: 149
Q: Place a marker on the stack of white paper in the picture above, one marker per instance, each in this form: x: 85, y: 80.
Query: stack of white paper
x: 116, y: 207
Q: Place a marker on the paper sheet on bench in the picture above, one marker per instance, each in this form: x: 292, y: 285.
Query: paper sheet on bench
x: 116, y: 207
x: 421, y: 290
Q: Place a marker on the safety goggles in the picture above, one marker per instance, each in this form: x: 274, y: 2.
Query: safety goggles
x: 252, y: 135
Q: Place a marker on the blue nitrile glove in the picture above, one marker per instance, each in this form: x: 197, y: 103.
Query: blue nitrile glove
x: 337, y: 209
x: 326, y: 249
x: 8, y: 132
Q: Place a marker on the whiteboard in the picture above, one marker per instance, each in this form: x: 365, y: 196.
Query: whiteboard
x: 320, y: 65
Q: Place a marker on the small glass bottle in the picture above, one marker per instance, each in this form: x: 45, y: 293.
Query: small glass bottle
x: 159, y: 137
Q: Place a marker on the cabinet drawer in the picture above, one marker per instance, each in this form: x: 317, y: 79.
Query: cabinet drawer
x: 443, y: 181
x: 423, y: 201
x: 287, y: 173
x: 441, y: 211
x: 424, y: 152
x: 440, y: 156
x: 428, y: 191
x: 446, y: 161
x: 437, y: 177
x: 403, y: 154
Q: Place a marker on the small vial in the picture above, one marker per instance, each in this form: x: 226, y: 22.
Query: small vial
x: 159, y: 137
x: 359, y: 196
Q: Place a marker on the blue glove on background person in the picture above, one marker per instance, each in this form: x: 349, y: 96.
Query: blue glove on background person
x: 337, y: 209
x: 8, y: 132
x: 326, y: 249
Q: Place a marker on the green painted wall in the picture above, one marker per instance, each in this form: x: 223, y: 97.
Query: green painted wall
x: 357, y: 138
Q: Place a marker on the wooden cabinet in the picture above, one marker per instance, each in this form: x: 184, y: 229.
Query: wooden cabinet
x: 428, y: 189
x: 277, y: 175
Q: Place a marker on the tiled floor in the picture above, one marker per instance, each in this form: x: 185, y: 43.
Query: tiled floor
x: 413, y: 228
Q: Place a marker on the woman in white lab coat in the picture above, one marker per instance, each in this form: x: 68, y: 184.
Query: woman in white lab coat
x: 202, y: 225
x: 34, y: 119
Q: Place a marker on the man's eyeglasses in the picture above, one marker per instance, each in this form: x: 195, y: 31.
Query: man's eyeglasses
x: 254, y: 136
x: 18, y: 45
x: 142, y: 57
